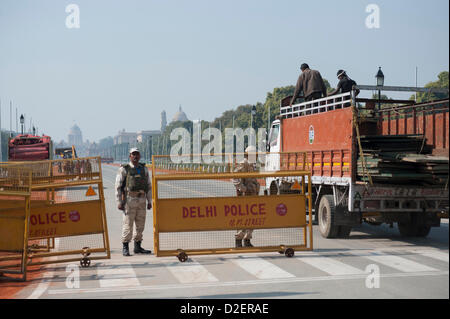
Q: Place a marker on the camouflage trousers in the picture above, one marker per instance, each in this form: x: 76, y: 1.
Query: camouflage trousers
x: 135, y: 213
x: 246, y: 233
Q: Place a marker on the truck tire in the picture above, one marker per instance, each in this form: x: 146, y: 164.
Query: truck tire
x: 415, y: 227
x: 327, y: 211
x: 407, y: 229
x: 344, y: 231
x: 423, y: 231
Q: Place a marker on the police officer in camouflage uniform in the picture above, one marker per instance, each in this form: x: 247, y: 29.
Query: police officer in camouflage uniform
x: 133, y: 196
x: 246, y: 187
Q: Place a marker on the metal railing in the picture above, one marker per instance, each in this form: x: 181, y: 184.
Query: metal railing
x: 325, y: 104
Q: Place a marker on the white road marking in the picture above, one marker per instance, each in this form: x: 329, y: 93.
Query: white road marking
x: 330, y: 266
x: 434, y: 255
x: 241, y: 283
x: 395, y: 262
x: 261, y: 268
x: 191, y: 272
x: 46, y: 280
x: 123, y: 276
x: 42, y: 287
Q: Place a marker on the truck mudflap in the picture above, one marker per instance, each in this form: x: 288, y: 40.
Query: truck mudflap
x: 398, y: 198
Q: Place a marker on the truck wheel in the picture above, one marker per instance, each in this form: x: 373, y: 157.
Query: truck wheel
x: 344, y: 231
x: 327, y: 211
x: 423, y: 231
x: 416, y: 227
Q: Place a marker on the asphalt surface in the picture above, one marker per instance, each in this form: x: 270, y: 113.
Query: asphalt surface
x: 374, y: 263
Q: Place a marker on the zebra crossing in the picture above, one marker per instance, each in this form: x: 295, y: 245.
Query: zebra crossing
x: 150, y: 273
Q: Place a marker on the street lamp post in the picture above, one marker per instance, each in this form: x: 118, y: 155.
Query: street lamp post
x: 253, y: 113
x: 253, y: 137
x: 22, y: 121
x: 380, y: 83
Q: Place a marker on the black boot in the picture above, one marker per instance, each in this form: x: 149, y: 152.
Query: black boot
x: 247, y: 243
x: 238, y: 243
x: 139, y: 250
x: 126, y: 250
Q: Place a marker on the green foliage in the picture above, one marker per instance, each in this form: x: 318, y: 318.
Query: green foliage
x: 442, y: 83
x: 273, y: 101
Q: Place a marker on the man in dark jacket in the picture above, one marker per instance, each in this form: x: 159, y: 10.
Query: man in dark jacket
x: 311, y: 83
x: 345, y: 84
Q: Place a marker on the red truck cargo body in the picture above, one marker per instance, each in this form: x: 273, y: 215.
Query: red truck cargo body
x: 29, y: 148
x: 429, y: 118
x: 326, y: 137
x: 324, y: 133
x: 329, y: 138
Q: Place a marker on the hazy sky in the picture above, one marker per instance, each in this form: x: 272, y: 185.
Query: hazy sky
x: 129, y: 60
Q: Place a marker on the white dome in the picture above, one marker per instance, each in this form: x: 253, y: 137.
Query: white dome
x: 180, y: 116
x: 75, y: 130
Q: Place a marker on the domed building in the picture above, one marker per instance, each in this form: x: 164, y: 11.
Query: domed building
x: 180, y: 116
x: 75, y: 137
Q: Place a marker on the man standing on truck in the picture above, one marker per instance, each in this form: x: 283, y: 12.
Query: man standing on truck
x: 311, y: 83
x: 345, y: 84
x: 246, y: 187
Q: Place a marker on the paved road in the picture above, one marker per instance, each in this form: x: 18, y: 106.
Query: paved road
x: 338, y: 268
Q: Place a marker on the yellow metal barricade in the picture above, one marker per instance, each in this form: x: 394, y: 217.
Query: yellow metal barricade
x: 199, y: 213
x: 67, y: 214
x: 15, y: 192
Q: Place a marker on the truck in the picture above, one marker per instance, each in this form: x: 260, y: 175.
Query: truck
x: 66, y: 152
x: 28, y: 147
x: 368, y: 164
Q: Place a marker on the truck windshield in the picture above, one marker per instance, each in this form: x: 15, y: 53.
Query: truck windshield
x: 274, y: 135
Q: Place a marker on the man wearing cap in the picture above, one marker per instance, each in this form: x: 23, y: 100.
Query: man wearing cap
x: 311, y: 83
x: 133, y: 196
x: 246, y: 187
x: 345, y: 84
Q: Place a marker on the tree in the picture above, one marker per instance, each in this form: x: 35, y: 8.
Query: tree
x: 441, y: 83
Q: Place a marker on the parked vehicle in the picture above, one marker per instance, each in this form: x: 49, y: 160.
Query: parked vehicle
x: 27, y: 147
x: 368, y: 164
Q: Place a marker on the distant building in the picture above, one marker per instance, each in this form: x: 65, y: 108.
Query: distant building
x: 180, y: 116
x: 142, y: 135
x: 75, y: 136
x: 125, y: 137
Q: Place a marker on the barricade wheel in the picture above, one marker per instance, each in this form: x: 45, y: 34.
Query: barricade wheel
x: 85, y: 262
x: 182, y: 257
x: 289, y: 252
